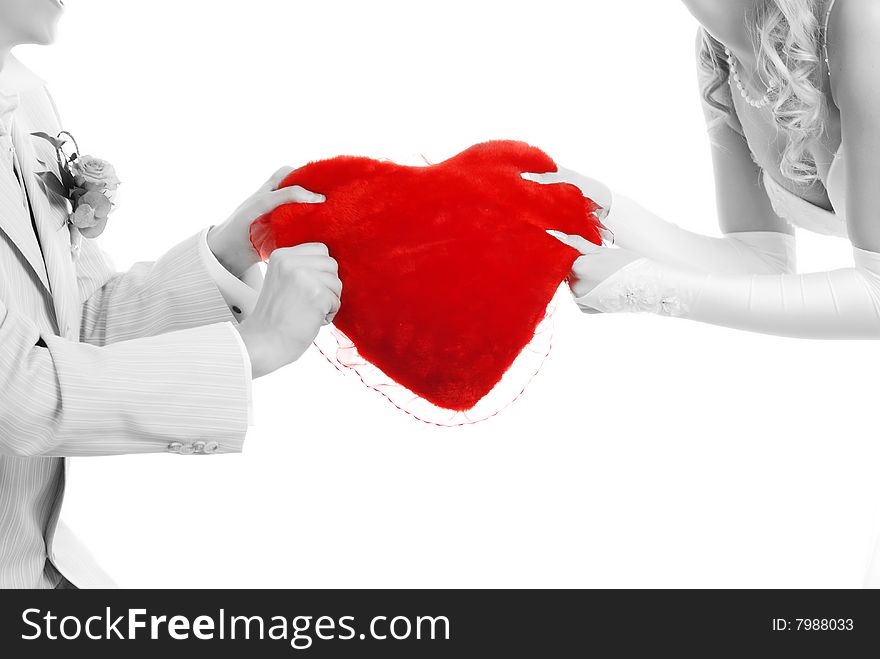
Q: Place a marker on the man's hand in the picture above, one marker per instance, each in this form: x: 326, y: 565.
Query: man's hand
x: 230, y: 242
x: 301, y: 292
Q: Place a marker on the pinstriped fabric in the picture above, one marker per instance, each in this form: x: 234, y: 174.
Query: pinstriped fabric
x: 48, y: 218
x: 30, y: 488
x: 158, y: 362
x: 176, y: 292
x: 134, y: 396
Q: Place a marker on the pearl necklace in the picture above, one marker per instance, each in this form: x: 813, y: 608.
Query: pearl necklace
x: 734, y: 73
x: 765, y: 100
x: 825, y: 36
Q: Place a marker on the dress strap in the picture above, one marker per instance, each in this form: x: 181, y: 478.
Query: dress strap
x: 825, y: 35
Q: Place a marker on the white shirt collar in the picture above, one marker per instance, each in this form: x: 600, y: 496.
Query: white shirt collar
x: 16, y: 78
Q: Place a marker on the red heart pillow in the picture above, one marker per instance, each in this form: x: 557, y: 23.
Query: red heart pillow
x: 447, y: 269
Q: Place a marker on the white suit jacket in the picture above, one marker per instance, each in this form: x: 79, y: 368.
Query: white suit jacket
x: 94, y: 362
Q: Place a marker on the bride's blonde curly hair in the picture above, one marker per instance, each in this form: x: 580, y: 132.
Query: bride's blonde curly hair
x: 788, y: 39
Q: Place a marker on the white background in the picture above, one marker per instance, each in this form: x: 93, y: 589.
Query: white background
x: 648, y: 452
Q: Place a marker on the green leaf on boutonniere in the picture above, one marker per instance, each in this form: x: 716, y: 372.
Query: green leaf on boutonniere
x: 67, y: 178
x: 54, y: 141
x: 95, y: 231
x: 53, y: 183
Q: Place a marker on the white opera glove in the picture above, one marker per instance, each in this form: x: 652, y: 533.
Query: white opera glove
x: 635, y: 228
x: 842, y: 304
x: 743, y: 252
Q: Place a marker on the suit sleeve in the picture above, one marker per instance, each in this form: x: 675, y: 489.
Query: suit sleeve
x: 175, y: 292
x: 169, y: 392
x: 185, y: 288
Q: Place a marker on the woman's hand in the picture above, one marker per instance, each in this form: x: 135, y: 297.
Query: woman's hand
x: 594, y: 266
x: 596, y: 262
x: 591, y: 188
x: 230, y: 242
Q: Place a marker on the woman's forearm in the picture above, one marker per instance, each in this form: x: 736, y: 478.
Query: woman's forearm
x: 749, y: 252
x: 841, y: 304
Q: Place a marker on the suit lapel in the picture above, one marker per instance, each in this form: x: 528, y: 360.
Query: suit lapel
x: 54, y: 237
x: 14, y: 220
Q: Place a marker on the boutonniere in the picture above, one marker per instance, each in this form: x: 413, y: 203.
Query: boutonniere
x: 86, y: 183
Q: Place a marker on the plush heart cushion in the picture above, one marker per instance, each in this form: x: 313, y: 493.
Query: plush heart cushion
x: 446, y: 269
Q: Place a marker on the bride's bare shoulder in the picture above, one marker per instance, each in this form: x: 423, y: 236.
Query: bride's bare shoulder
x: 854, y: 53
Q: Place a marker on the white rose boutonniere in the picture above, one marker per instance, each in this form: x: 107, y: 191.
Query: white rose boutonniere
x: 90, y: 173
x: 86, y: 183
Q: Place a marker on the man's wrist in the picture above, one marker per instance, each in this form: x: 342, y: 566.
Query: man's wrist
x: 235, y: 260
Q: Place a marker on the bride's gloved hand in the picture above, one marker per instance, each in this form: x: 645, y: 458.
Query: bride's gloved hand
x: 302, y: 291
x: 595, y: 265
x: 632, y: 226
x: 230, y: 241
x: 591, y: 188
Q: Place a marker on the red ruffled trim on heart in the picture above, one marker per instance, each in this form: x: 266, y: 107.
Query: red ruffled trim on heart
x: 340, y: 351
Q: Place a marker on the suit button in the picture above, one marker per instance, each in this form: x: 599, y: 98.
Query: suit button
x: 199, y: 447
x: 175, y: 447
x: 187, y: 449
x: 211, y: 447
